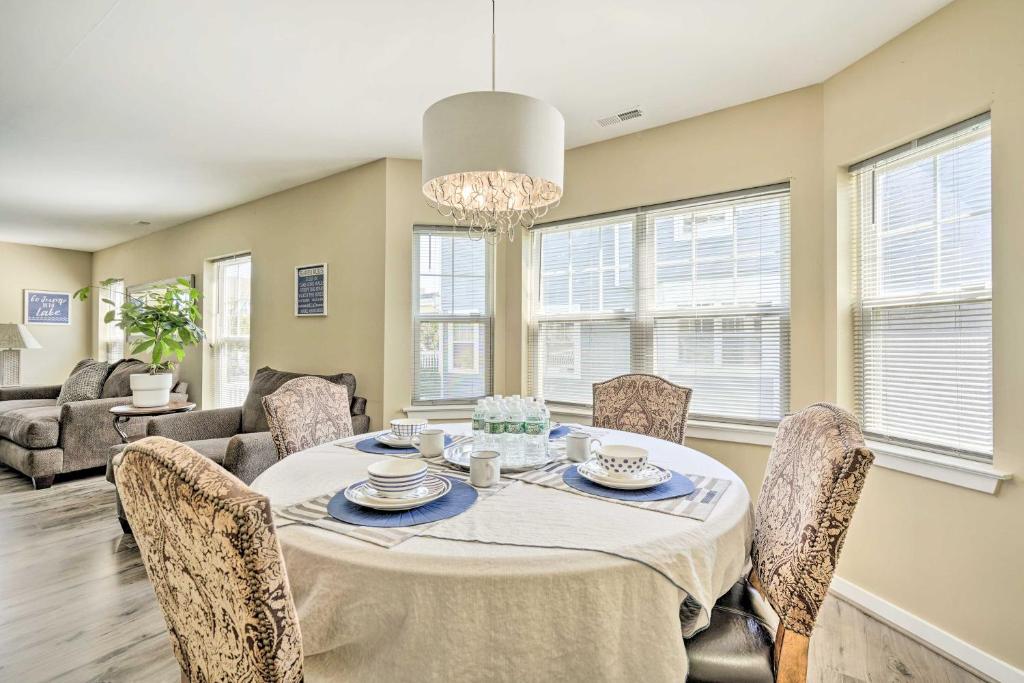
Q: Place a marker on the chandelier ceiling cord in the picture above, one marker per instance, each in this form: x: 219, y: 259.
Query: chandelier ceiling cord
x: 493, y: 161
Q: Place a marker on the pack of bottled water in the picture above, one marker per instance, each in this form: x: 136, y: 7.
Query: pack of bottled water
x: 516, y: 427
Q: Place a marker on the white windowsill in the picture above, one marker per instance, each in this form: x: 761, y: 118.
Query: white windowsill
x: 956, y: 471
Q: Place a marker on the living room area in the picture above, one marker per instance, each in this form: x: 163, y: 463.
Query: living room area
x: 511, y: 341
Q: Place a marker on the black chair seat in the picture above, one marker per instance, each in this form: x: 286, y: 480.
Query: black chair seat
x: 736, y: 647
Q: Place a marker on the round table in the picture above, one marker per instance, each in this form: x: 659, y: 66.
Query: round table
x: 491, y: 609
x: 124, y: 413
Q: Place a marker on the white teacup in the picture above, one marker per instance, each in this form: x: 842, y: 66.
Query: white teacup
x: 430, y: 441
x: 622, y: 461
x: 407, y: 427
x: 396, y: 478
x: 579, y: 446
x: 484, y: 469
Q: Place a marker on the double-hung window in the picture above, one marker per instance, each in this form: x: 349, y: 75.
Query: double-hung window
x: 695, y: 291
x: 230, y: 300
x: 923, y: 281
x: 112, y: 336
x: 452, y: 316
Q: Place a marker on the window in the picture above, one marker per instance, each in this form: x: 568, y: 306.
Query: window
x: 230, y: 301
x: 923, y: 280
x: 694, y: 291
x: 452, y: 316
x: 112, y: 336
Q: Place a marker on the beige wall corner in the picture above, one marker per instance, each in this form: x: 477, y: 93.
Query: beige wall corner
x: 57, y: 270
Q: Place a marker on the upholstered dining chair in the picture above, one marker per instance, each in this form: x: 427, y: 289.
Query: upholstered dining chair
x: 306, y: 412
x: 643, y: 404
x: 211, y: 552
x: 815, y: 474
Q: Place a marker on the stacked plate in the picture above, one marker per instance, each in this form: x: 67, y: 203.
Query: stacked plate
x: 396, y: 485
x: 623, y: 467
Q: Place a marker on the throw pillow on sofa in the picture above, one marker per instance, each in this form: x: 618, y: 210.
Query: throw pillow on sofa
x: 85, y: 383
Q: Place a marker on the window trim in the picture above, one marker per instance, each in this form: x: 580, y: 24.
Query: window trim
x: 643, y: 314
x: 486, y: 320
x: 214, y: 340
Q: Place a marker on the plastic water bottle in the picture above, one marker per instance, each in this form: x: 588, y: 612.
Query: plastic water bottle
x: 546, y: 414
x: 480, y: 425
x: 515, y: 428
x: 494, y: 426
x: 535, y: 447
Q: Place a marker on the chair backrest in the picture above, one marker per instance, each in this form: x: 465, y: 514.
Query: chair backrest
x: 267, y: 380
x: 307, y: 412
x: 815, y: 475
x: 643, y: 404
x: 212, y: 555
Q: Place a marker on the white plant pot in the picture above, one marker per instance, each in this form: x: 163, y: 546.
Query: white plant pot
x: 150, y: 391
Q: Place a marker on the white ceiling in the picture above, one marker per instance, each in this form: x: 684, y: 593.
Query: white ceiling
x: 112, y: 112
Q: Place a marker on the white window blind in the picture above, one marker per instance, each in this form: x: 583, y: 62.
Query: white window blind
x: 112, y: 336
x: 452, y: 316
x: 229, y: 329
x: 694, y: 291
x: 923, y: 280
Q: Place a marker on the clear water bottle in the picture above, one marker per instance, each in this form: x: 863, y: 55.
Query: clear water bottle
x: 480, y: 425
x: 546, y: 414
x: 515, y: 428
x: 494, y: 426
x: 535, y: 445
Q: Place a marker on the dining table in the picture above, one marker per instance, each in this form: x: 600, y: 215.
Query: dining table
x: 531, y: 583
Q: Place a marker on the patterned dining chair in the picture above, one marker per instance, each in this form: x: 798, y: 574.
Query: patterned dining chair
x: 306, y: 412
x: 210, y: 550
x: 643, y: 404
x: 815, y: 474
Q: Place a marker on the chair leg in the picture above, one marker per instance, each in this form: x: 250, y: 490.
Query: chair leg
x: 125, y: 526
x: 790, y: 657
x: 42, y: 482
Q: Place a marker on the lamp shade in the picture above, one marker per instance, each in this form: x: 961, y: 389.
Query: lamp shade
x: 15, y: 336
x: 493, y: 131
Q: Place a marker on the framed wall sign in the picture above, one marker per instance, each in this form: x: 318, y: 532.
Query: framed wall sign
x: 47, y: 308
x: 311, y: 290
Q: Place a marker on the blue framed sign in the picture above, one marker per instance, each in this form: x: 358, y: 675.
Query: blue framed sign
x: 47, y: 308
x: 311, y: 290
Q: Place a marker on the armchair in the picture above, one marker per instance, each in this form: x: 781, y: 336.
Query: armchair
x: 238, y: 439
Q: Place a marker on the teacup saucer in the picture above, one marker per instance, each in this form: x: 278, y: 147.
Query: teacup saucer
x: 651, y: 475
x: 433, y: 488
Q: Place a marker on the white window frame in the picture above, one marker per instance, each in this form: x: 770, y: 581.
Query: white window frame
x: 644, y: 313
x: 486, y: 320
x: 894, y: 446
x: 214, y: 339
x: 475, y: 369
x: 111, y: 336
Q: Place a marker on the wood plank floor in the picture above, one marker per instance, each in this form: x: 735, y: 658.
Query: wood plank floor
x: 75, y: 604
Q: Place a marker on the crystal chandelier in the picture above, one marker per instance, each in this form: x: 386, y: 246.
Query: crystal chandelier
x: 493, y: 161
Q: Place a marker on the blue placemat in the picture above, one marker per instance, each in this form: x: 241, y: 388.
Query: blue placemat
x: 458, y: 500
x: 371, y: 445
x: 558, y: 432
x: 678, y: 485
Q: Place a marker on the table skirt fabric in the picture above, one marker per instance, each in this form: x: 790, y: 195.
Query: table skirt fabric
x: 469, y: 603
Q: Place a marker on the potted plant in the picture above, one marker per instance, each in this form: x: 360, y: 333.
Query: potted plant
x: 163, y: 322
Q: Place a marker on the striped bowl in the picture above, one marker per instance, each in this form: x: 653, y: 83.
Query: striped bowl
x: 396, y: 478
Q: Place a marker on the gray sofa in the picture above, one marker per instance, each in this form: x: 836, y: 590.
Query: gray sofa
x: 238, y: 438
x: 41, y: 439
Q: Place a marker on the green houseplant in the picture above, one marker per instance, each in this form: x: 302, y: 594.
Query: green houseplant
x: 162, y: 322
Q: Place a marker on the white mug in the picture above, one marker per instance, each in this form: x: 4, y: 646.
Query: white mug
x: 484, y: 470
x: 579, y: 446
x: 430, y: 442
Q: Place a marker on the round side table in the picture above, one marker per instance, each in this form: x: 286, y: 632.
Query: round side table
x: 124, y: 413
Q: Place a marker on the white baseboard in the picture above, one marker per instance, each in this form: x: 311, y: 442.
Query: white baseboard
x: 932, y: 636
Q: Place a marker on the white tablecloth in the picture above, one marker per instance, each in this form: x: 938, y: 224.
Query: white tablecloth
x: 433, y: 609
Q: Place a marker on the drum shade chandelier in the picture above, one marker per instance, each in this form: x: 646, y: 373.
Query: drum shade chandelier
x: 493, y: 161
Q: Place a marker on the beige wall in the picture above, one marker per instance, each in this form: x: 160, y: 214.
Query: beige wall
x: 340, y: 220
x: 59, y: 270
x: 949, y: 555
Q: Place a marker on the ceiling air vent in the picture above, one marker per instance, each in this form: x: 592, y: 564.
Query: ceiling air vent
x: 621, y: 117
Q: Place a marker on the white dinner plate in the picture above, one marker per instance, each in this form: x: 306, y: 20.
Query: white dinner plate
x: 389, y: 439
x: 652, y: 475
x: 433, y: 488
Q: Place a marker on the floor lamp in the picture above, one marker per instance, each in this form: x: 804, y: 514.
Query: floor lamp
x: 13, y: 338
